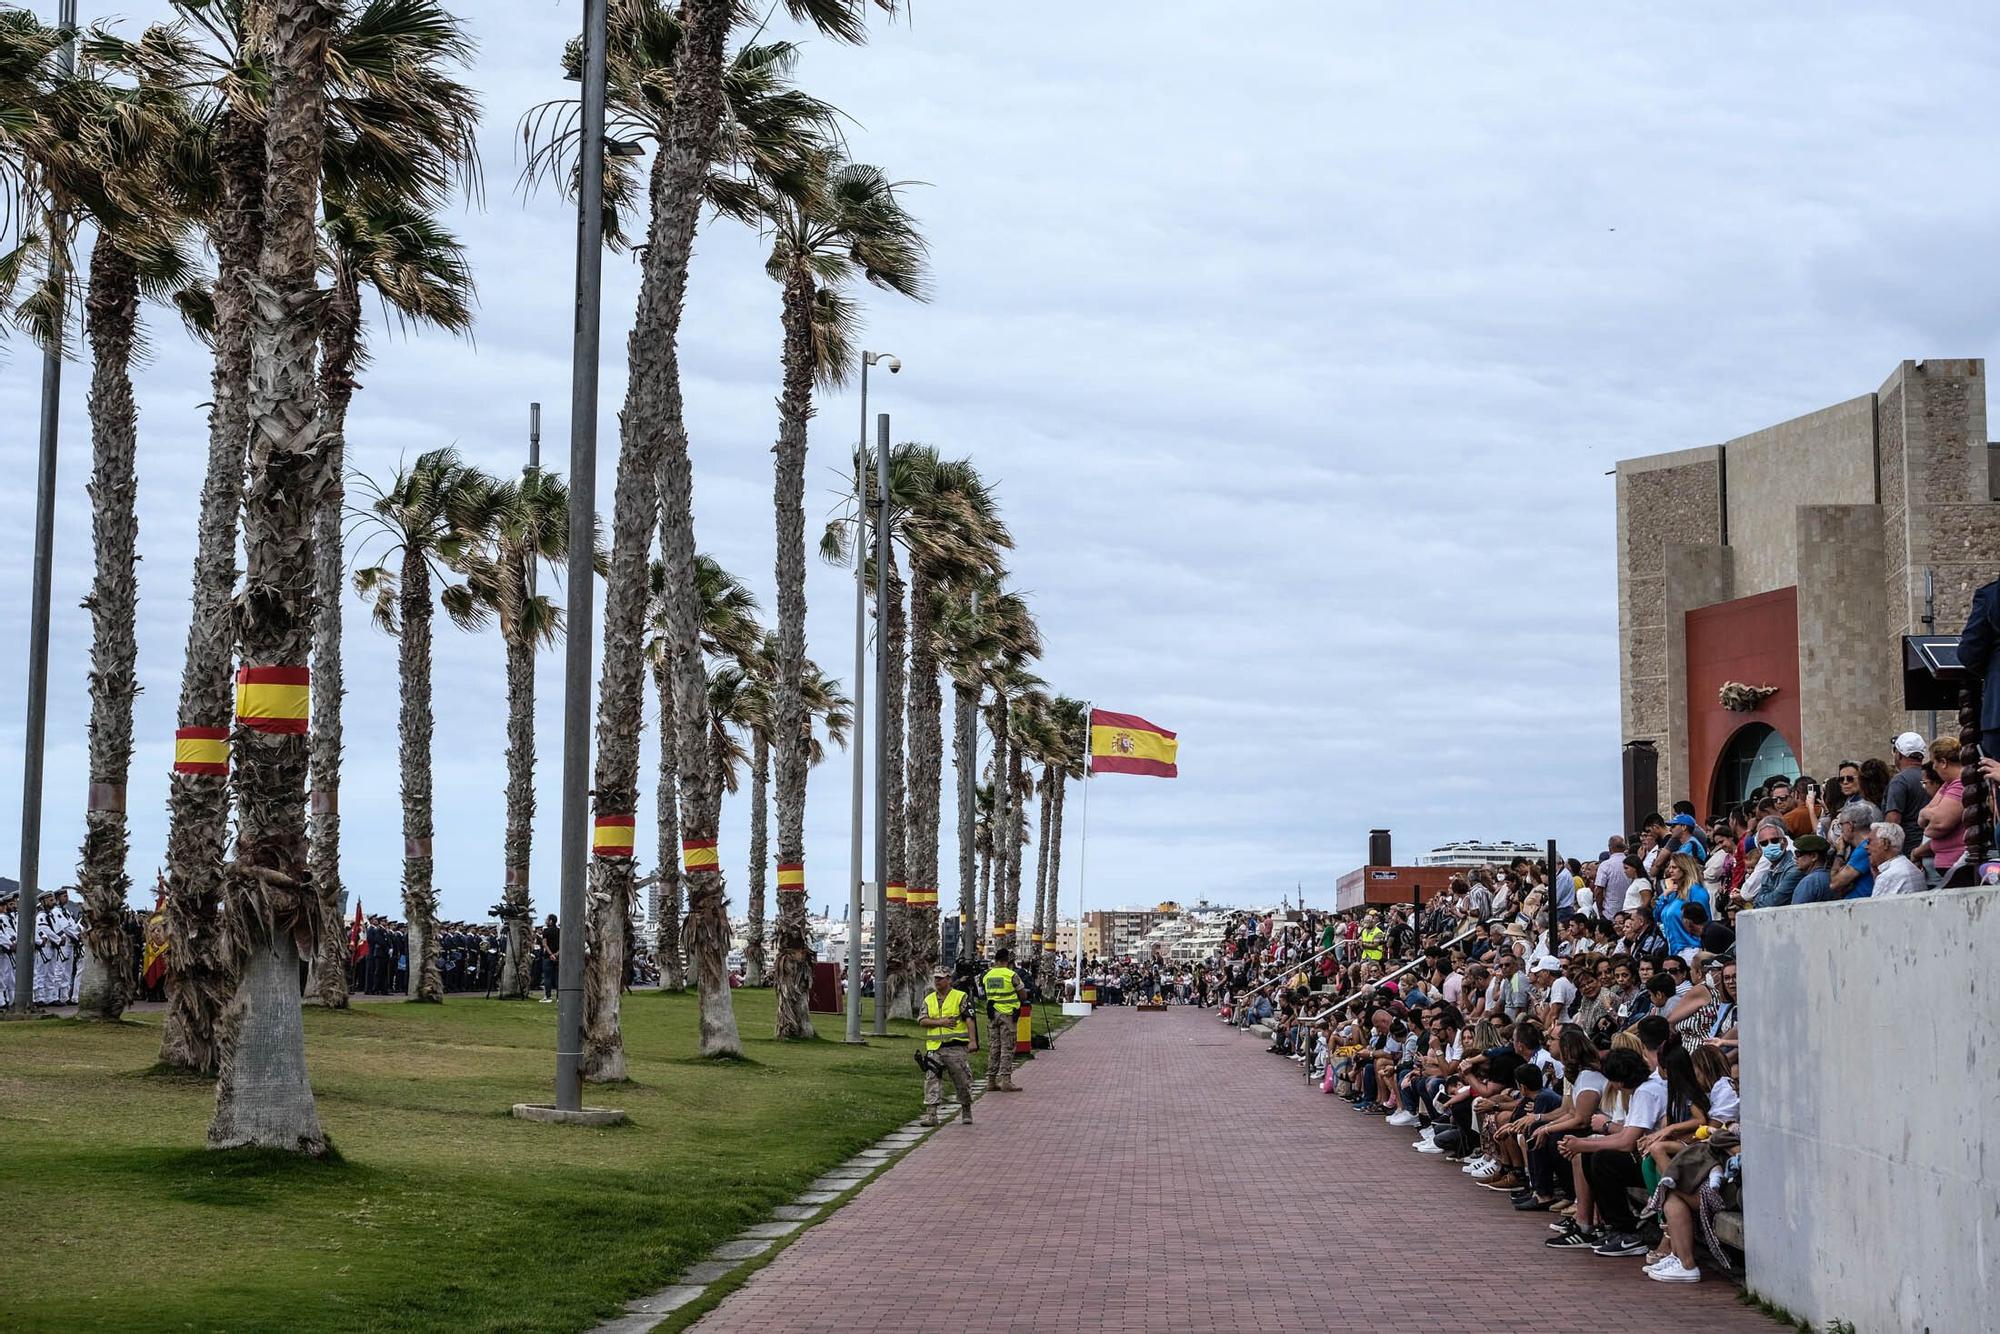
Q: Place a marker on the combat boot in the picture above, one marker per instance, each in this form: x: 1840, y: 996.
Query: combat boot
x: 965, y: 1113
x: 930, y: 1117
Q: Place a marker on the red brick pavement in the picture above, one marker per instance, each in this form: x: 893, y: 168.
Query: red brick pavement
x: 1165, y: 1173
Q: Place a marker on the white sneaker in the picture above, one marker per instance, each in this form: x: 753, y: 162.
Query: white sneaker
x: 1428, y: 1147
x: 1671, y: 1270
x: 1479, y: 1164
x: 1489, y: 1172
x: 1403, y: 1118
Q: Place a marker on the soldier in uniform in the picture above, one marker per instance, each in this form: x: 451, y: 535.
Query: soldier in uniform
x: 1002, y: 986
x: 950, y: 1032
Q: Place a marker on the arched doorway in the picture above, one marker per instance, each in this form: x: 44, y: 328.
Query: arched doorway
x: 1754, y: 752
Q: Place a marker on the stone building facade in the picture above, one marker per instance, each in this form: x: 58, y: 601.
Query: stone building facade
x: 1798, y: 553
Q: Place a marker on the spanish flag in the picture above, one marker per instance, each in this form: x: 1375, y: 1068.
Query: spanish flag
x: 1124, y: 743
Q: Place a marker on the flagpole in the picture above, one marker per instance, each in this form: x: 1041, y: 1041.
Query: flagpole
x: 1083, y: 851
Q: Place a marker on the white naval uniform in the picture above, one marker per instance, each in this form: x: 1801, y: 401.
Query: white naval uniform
x: 6, y: 959
x: 70, y: 940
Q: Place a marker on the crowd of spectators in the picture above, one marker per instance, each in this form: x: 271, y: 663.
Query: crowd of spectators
x: 1566, y: 1036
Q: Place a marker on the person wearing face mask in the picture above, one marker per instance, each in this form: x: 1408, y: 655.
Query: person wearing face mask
x: 1777, y: 870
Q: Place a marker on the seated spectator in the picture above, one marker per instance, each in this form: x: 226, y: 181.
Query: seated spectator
x: 1607, y: 1162
x: 1894, y: 873
x: 1943, y: 817
x: 1680, y: 887
x: 1814, y: 856
x: 1854, y: 878
x: 1770, y: 881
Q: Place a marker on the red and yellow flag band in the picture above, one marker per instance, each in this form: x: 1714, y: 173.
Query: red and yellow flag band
x: 201, y: 750
x: 1125, y: 743
x: 611, y: 836
x: 923, y: 898
x: 698, y: 855
x: 273, y: 699
x: 791, y: 877
x: 898, y: 891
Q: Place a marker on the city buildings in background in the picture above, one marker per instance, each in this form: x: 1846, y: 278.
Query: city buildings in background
x: 1794, y: 561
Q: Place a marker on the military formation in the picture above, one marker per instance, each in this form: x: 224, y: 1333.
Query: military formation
x: 58, y: 947
x: 469, y: 957
x: 952, y: 1010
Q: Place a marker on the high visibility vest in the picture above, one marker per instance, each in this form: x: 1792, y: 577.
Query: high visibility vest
x: 1001, y: 991
x: 1371, y: 942
x: 952, y: 1007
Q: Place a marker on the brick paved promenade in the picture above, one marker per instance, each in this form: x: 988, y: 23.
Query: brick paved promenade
x: 1128, y: 1190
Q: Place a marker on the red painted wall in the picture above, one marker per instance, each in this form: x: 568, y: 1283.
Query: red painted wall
x: 1754, y: 640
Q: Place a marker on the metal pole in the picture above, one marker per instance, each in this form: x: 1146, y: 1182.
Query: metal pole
x: 883, y: 759
x: 860, y: 751
x: 1930, y: 628
x: 38, y: 616
x: 1083, y: 849
x: 1554, y: 871
x: 582, y: 592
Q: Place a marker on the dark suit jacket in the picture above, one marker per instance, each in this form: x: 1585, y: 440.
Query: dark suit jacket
x: 1976, y: 651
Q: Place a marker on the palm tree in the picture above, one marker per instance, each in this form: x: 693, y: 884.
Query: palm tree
x: 87, y: 150
x: 1069, y: 722
x: 396, y: 250
x: 396, y: 125
x: 432, y: 517
x: 729, y: 629
x: 982, y: 843
x: 983, y: 631
x: 954, y: 535
x: 531, y: 529
x: 654, y: 477
x: 1016, y: 698
x: 830, y: 221
x: 263, y: 1098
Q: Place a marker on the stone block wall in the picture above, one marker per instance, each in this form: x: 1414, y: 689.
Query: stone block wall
x: 1668, y: 498
x: 1823, y: 458
x: 1849, y: 685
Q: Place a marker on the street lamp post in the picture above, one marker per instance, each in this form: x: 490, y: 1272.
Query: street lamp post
x: 582, y: 592
x: 38, y: 615
x: 883, y: 759
x: 860, y: 710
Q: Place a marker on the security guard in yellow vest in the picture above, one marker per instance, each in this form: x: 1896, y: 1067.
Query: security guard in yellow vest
x: 1374, y: 940
x: 1002, y: 986
x: 949, y: 1034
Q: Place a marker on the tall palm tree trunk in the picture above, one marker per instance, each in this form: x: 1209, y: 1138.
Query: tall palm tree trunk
x: 667, y: 918
x: 1053, y: 838
x: 654, y: 444
x: 965, y: 762
x: 339, y: 341
x: 760, y: 846
x: 900, y: 975
x: 198, y: 968
x: 112, y: 323
x: 1017, y: 837
x: 413, y: 663
x: 926, y: 764
x: 1038, y: 933
x: 986, y: 923
x: 1003, y: 821
x: 518, y: 848
x: 789, y: 724
x: 263, y: 1097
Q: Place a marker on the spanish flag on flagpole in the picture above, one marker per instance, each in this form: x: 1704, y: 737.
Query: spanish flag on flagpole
x: 1124, y: 743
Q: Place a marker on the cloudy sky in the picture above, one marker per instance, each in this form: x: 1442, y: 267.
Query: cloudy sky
x: 1298, y: 338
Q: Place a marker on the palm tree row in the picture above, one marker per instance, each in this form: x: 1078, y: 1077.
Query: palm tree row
x: 309, y: 145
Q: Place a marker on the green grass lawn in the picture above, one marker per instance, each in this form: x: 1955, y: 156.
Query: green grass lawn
x: 443, y: 1212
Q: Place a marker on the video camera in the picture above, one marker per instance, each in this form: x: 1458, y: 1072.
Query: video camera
x: 508, y: 912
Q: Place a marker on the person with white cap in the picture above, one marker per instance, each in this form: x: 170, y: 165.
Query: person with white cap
x: 1906, y: 795
x: 950, y: 1029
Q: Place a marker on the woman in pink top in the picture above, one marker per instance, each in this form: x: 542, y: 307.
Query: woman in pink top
x: 1943, y: 821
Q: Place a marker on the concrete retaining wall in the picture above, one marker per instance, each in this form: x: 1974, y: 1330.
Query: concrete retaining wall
x: 1871, y: 1101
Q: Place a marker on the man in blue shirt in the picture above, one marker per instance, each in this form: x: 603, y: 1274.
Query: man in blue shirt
x: 1855, y: 879
x: 1810, y: 851
x: 1685, y: 827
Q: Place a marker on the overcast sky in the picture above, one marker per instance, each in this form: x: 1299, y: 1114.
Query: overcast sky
x: 1298, y: 339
